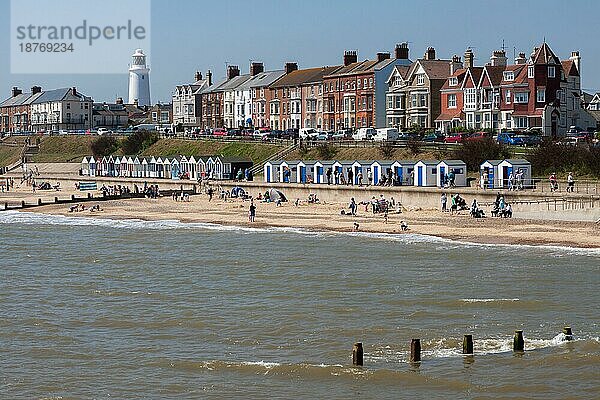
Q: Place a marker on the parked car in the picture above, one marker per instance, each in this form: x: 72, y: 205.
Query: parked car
x: 477, y: 136
x: 531, y: 140
x: 220, y: 132
x: 383, y: 134
x: 510, y: 138
x: 364, y: 134
x: 261, y: 133
x: 434, y: 137
x: 456, y: 137
x: 308, y: 133
x: 275, y: 134
x: 290, y: 133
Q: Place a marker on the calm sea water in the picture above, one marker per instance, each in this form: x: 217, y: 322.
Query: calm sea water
x: 130, y: 309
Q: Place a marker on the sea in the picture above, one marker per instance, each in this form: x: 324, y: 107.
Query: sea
x: 129, y: 309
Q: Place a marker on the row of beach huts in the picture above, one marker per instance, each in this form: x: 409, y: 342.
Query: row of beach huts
x: 425, y: 173
x: 178, y: 167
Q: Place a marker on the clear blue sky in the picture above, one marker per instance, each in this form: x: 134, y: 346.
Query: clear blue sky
x: 190, y: 35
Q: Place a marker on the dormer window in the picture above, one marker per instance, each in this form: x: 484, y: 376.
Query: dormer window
x: 551, y: 71
x: 453, y: 81
x: 509, y: 76
x: 530, y: 71
x: 420, y: 79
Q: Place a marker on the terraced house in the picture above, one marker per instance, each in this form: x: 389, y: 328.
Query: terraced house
x: 61, y: 109
x: 261, y: 95
x: 15, y: 111
x: 355, y: 95
x: 187, y: 102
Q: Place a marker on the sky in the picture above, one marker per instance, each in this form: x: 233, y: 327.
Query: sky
x: 191, y: 35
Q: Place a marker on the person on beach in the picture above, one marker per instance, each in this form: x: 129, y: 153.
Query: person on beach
x: 570, y: 182
x: 359, y: 177
x: 444, y: 200
x: 210, y: 193
x: 553, y: 182
x: 369, y: 177
x: 350, y: 176
x: 328, y: 175
x: 352, y: 206
x: 385, y: 216
x: 403, y: 226
x: 252, y: 212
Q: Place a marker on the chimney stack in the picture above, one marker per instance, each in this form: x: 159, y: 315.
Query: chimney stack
x: 520, y: 59
x: 16, y: 91
x: 383, y: 56
x: 197, y: 76
x: 119, y: 100
x: 290, y: 67
x: 576, y: 58
x: 232, y: 71
x: 402, y: 51
x: 256, y: 68
x: 36, y: 89
x: 209, y: 77
x: 350, y: 56
x: 469, y: 58
x: 455, y: 64
x: 74, y: 91
x: 136, y: 102
x: 498, y: 58
x: 430, y: 53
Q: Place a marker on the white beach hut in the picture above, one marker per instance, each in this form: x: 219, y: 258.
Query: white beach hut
x: 513, y: 166
x: 193, y: 168
x: 336, y: 166
x: 376, y: 171
x: 110, y: 166
x: 137, y: 168
x: 210, y: 168
x: 319, y: 172
x: 184, y: 167
x: 488, y: 172
x: 359, y: 167
x: 124, y: 170
x: 201, y: 167
x: 425, y: 173
x: 301, y: 172
x: 166, y: 168
x: 219, y: 170
x: 152, y: 167
x: 175, y: 168
x: 457, y: 167
x: 85, y: 166
x: 117, y: 166
x: 269, y: 172
x: 144, y: 173
x: 404, y: 171
x: 287, y: 171
x: 92, y: 166
x: 130, y: 167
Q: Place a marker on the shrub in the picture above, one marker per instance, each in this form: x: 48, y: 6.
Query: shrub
x: 104, y: 146
x: 414, y: 145
x: 326, y: 151
x: 475, y: 152
x: 138, y: 142
x: 387, y: 150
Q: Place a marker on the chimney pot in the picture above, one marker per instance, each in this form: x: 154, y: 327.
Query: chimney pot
x: 74, y: 91
x: 383, y: 56
x: 198, y: 76
x: 350, y: 56
x: 430, y: 53
x: 209, y: 77
x: 469, y: 58
x: 232, y: 71
x: 256, y: 68
x: 290, y: 67
x: 16, y: 91
x: 402, y: 51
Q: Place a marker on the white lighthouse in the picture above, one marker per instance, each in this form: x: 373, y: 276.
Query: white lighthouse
x: 139, y: 79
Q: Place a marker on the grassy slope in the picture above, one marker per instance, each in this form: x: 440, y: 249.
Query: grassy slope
x: 9, y: 155
x: 367, y: 153
x: 63, y: 149
x: 170, y: 147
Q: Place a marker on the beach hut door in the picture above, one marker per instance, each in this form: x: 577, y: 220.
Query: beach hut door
x: 268, y: 175
x: 375, y: 175
x: 507, y: 171
x: 419, y: 176
x: 442, y: 176
x: 319, y: 174
x: 399, y: 174
x: 302, y: 174
x: 491, y: 178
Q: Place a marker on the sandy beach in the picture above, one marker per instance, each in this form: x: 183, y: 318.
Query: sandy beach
x: 327, y: 217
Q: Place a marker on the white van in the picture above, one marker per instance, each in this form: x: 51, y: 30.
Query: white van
x: 364, y: 134
x: 386, y: 134
x: 308, y: 133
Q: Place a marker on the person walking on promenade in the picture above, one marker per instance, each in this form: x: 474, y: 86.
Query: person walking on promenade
x: 369, y: 177
x: 570, y: 182
x: 359, y: 176
x: 444, y: 200
x: 328, y: 174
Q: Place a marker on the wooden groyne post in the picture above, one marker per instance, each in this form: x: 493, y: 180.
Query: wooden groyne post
x: 415, y: 350
x: 518, y: 342
x: 568, y: 333
x: 357, y: 354
x: 468, y: 344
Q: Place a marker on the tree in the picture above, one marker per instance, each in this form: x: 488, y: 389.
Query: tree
x: 138, y: 142
x: 104, y: 146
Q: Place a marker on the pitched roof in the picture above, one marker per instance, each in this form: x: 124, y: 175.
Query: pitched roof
x: 569, y: 68
x: 495, y: 73
x: 58, y: 95
x: 15, y: 100
x: 262, y: 79
x: 459, y: 74
x: 543, y: 55
x: 235, y: 82
x: 302, y: 76
x: 436, y: 69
